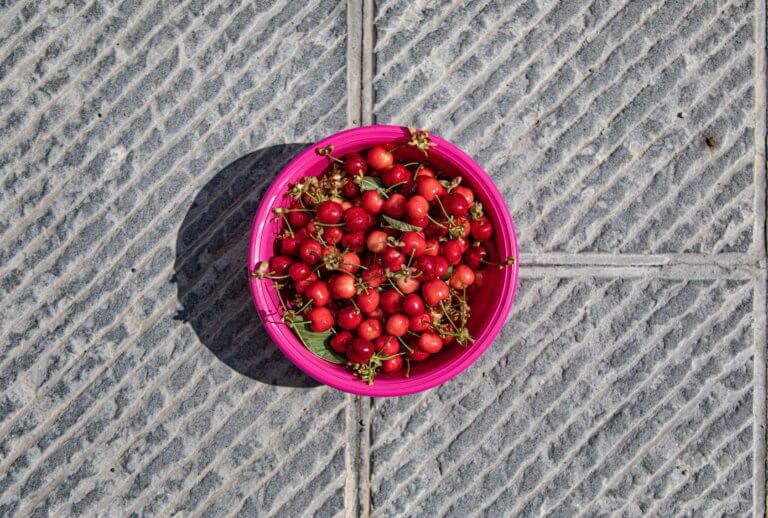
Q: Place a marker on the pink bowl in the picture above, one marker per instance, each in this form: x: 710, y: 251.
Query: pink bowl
x: 489, y: 311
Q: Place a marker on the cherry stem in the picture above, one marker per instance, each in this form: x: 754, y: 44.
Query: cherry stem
x: 445, y: 312
x: 396, y: 288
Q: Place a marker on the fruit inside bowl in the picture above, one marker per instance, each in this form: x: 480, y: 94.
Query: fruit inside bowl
x: 383, y: 261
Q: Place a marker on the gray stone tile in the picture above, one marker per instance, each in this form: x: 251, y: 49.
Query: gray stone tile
x: 137, y: 140
x: 610, y: 126
x: 603, y: 395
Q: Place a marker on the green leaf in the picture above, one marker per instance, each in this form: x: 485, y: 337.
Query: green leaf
x: 447, y: 275
x: 402, y: 226
x: 317, y: 343
x: 369, y: 183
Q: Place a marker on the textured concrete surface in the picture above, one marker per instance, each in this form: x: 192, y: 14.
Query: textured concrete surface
x: 137, y: 137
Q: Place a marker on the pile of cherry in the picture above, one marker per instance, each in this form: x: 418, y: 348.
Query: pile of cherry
x: 376, y: 262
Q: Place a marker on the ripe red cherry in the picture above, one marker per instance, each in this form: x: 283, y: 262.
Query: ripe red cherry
x: 413, y: 244
x: 340, y: 340
x: 301, y: 286
x: 369, y: 329
x: 451, y: 251
x: 413, y: 305
x: 430, y: 342
x: 377, y: 241
x: 320, y: 319
x: 299, y: 271
x: 350, y: 189
x: 419, y: 323
x: 392, y: 258
x: 393, y: 364
x: 430, y: 188
x: 359, y: 350
x: 482, y: 230
x: 433, y: 247
x: 319, y: 293
x: 455, y: 205
x: 435, y: 230
x: 289, y: 245
x: 332, y: 235
x: 342, y: 286
x: 462, y: 277
x: 397, y: 325
x: 374, y: 276
x: 441, y: 266
x: 424, y: 172
x: 354, y: 164
x: 349, y: 317
x: 425, y: 264
x: 377, y: 314
x: 355, y: 241
x: 466, y: 192
x: 391, y: 302
x: 279, y: 264
x: 386, y: 345
x: 417, y: 355
x: 329, y: 212
x: 372, y: 202
x: 475, y: 256
x: 417, y: 207
x: 408, y: 284
x: 368, y: 302
x: 379, y: 158
x: 435, y: 291
x: 310, y: 251
x: 397, y: 174
x: 356, y: 219
x: 297, y: 216
x: 394, y: 206
x: 350, y: 262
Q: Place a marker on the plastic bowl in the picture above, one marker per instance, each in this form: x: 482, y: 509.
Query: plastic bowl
x: 489, y: 311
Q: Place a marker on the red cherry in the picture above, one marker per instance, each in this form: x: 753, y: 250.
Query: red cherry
x: 419, y: 323
x: 455, y: 205
x: 435, y: 291
x: 372, y: 202
x: 340, y: 340
x: 451, y: 251
x: 417, y: 355
x: 424, y: 171
x: 319, y: 293
x: 391, y: 302
x: 310, y: 251
x: 342, y: 286
x: 441, y: 266
x: 408, y: 284
x: 377, y: 314
x: 462, y: 277
x: 332, y: 235
x: 329, y: 212
x: 289, y: 245
x: 475, y: 256
x: 430, y: 188
x: 379, y: 158
x: 297, y: 217
x: 391, y: 365
x: 430, y: 342
x: 413, y: 305
x: 413, y: 244
x: 356, y: 219
x: 417, y: 207
x: 354, y: 164
x: 350, y: 189
x: 433, y: 247
x: 394, y: 206
x: 369, y: 329
x: 482, y: 230
x: 435, y: 230
x: 377, y: 241
x: 349, y: 317
x: 359, y: 350
x: 386, y: 345
x: 320, y: 318
x: 397, y: 325
x: 350, y: 262
x: 301, y: 286
x: 355, y: 241
x: 397, y: 174
x: 393, y: 259
x: 374, y: 276
x: 466, y: 192
x: 299, y: 271
x: 368, y: 302
x: 279, y: 264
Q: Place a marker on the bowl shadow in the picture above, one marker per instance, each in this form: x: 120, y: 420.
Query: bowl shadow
x: 211, y: 275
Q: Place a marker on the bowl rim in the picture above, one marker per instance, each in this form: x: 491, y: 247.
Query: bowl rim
x: 286, y: 341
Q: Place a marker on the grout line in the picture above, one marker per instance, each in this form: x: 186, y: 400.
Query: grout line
x: 760, y: 133
x: 760, y: 402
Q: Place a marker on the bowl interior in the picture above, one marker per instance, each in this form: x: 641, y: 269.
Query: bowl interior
x: 490, y: 304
